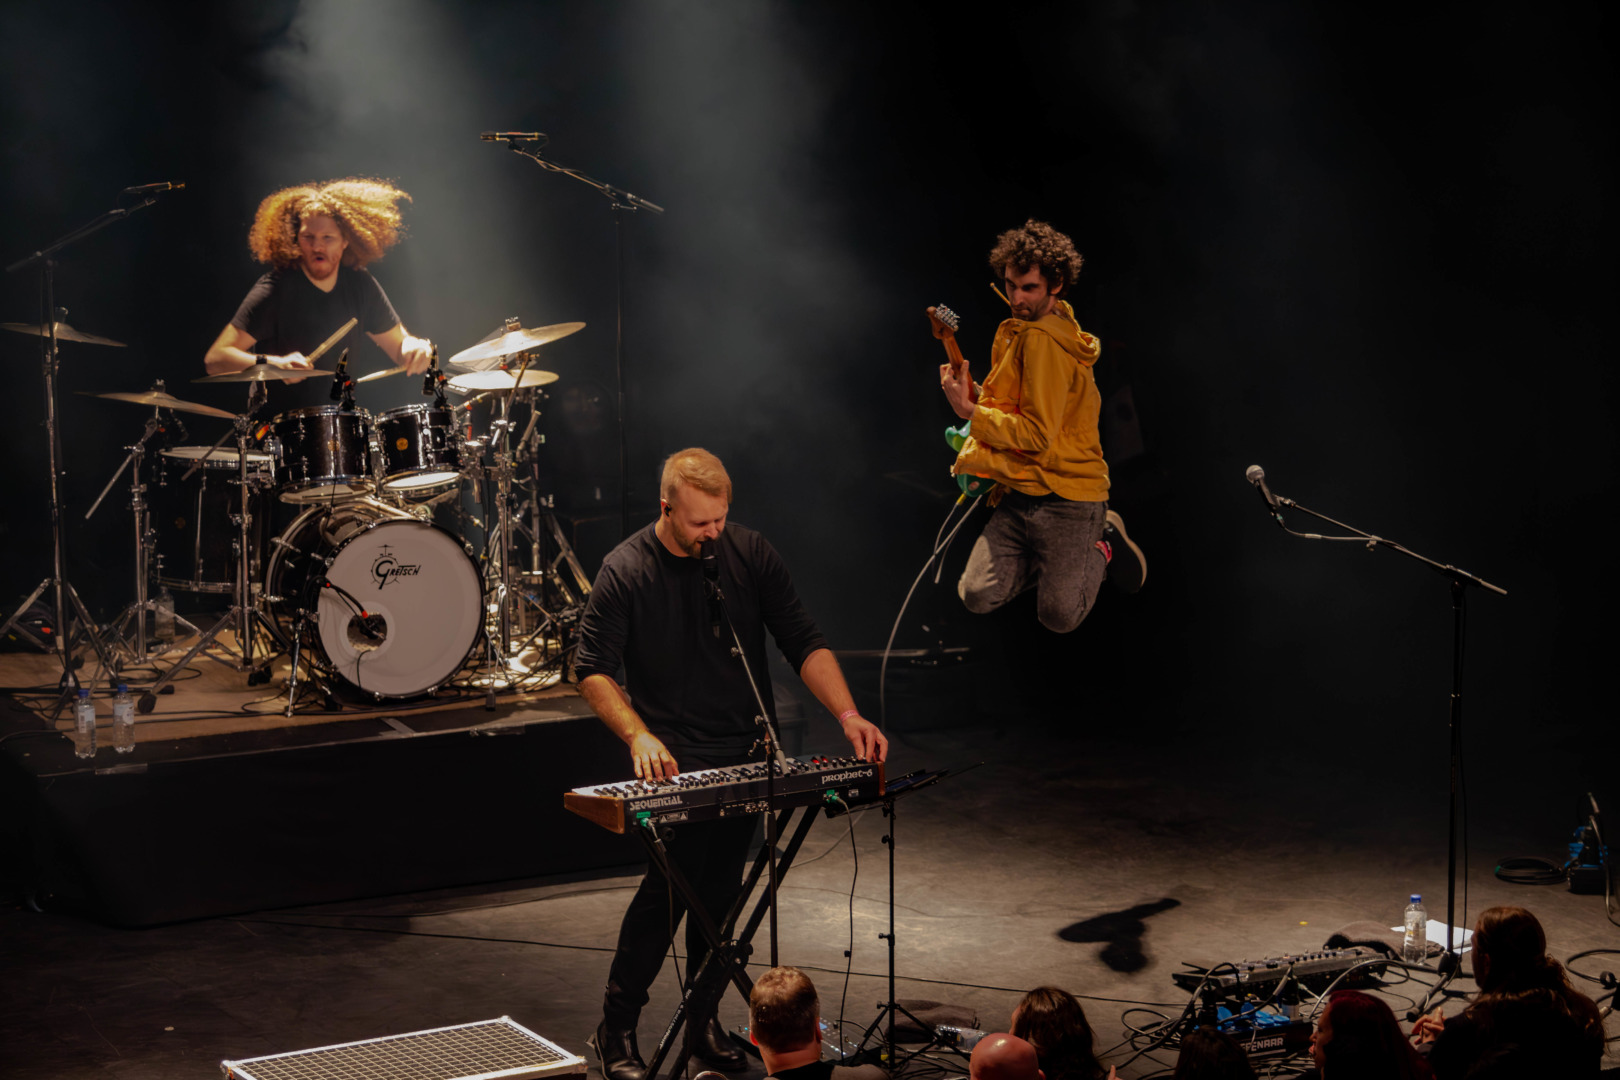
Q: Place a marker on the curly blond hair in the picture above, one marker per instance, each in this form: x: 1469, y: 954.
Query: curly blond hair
x: 1037, y: 245
x: 366, y: 210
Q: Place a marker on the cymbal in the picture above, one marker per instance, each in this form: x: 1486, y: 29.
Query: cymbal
x: 373, y: 376
x: 216, y: 453
x: 499, y: 380
x: 264, y: 373
x: 64, y: 332
x: 488, y: 354
x: 164, y: 401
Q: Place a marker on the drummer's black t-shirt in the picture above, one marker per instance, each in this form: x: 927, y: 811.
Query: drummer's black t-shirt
x: 285, y: 312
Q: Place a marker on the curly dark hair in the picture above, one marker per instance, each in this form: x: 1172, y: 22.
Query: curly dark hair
x: 1052, y: 1021
x: 366, y: 210
x: 1037, y: 244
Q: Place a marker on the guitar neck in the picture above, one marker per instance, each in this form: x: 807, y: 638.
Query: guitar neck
x: 954, y: 354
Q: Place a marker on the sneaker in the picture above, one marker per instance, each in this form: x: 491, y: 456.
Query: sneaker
x: 1127, y: 566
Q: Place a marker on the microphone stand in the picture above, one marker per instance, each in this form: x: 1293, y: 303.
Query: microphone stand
x: 64, y: 592
x: 775, y: 762
x: 622, y: 203
x: 1460, y: 580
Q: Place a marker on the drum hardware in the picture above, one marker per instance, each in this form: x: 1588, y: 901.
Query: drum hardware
x: 145, y: 537
x: 52, y: 329
x: 244, y: 614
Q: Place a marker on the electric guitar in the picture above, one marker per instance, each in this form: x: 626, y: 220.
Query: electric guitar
x: 944, y: 322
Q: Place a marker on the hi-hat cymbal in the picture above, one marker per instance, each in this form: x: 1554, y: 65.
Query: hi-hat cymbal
x: 64, y: 332
x: 499, y: 380
x: 164, y: 401
x: 264, y: 373
x: 488, y: 354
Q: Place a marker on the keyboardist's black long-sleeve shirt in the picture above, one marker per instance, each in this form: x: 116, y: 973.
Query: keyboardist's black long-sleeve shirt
x: 649, y: 613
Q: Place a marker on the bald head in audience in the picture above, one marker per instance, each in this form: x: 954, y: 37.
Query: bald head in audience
x: 1004, y: 1057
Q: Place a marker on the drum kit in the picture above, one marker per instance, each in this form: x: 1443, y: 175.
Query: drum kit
x: 362, y: 586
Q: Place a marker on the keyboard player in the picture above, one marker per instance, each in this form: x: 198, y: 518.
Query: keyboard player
x: 687, y: 704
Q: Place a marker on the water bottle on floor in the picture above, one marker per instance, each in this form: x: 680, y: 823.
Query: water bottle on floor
x: 84, y: 725
x: 1415, y: 945
x: 123, y: 713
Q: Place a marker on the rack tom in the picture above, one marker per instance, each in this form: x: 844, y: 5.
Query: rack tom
x: 421, y: 449
x: 325, y: 453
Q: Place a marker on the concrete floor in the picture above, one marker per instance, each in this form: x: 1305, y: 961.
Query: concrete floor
x: 1097, y: 857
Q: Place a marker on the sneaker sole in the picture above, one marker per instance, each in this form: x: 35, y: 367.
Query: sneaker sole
x: 1118, y: 525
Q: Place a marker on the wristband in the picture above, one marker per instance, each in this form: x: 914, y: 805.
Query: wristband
x: 847, y: 713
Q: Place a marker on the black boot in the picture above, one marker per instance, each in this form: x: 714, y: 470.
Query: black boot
x: 711, y: 1046
x: 616, y: 1050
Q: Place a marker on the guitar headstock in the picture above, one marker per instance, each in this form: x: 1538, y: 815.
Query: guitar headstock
x: 943, y: 321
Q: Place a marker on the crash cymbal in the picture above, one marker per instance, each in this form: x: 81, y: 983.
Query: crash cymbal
x: 373, y: 376
x: 64, y: 332
x: 264, y: 373
x: 164, y: 401
x: 489, y: 354
x: 499, y: 380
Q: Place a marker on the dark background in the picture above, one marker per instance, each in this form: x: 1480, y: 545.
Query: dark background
x: 1373, y: 255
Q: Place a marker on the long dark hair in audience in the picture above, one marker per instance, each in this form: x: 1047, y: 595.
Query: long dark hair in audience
x: 1511, y: 965
x: 1051, y: 1021
x: 1366, y: 1043
x: 1208, y: 1054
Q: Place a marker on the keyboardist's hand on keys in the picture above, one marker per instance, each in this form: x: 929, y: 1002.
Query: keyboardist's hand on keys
x: 651, y: 760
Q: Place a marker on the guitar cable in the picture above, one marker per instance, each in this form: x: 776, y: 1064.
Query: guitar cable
x: 940, y: 547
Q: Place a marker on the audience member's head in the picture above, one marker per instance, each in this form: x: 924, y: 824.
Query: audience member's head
x: 1051, y: 1021
x: 1004, y: 1057
x: 784, y: 1014
x: 1527, y: 1012
x: 1357, y: 1038
x: 1510, y: 952
x: 1208, y: 1054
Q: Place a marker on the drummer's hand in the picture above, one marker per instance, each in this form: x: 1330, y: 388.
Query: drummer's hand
x: 415, y: 354
x: 651, y: 759
x: 291, y: 362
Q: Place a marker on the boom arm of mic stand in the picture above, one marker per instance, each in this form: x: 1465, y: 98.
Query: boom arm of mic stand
x: 619, y: 196
x: 1453, y: 573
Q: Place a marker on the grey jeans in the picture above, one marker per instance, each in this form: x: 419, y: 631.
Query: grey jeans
x: 1045, y: 543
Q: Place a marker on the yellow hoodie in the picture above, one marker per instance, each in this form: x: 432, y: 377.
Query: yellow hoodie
x: 1035, y: 425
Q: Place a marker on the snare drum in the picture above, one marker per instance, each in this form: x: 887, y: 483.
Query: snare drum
x: 421, y: 449
x: 397, y: 602
x: 325, y: 453
x: 194, y: 520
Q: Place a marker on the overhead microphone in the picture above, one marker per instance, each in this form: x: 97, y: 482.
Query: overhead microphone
x: 1257, y: 476
x: 152, y: 189
x: 512, y: 136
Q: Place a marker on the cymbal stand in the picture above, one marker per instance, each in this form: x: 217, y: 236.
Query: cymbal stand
x: 140, y: 648
x: 498, y: 548
x: 244, y: 615
x: 64, y: 593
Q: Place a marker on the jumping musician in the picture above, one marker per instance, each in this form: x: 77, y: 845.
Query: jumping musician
x: 687, y: 704
x: 1032, y: 429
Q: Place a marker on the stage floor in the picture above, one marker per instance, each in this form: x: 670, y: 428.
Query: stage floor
x: 1094, y: 852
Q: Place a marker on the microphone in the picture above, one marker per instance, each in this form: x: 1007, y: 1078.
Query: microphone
x: 152, y: 189
x: 711, y: 583
x: 429, y: 383
x: 341, y: 377
x: 512, y: 136
x: 1257, y: 476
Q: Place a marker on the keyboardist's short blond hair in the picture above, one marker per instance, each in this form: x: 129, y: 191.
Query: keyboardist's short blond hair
x: 694, y: 467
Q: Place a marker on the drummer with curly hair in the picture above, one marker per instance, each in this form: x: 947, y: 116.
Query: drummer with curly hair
x: 318, y: 240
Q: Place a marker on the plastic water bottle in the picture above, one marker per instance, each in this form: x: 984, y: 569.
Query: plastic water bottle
x: 123, y: 712
x: 163, y: 616
x: 959, y: 1038
x: 1415, y: 945
x: 84, y: 725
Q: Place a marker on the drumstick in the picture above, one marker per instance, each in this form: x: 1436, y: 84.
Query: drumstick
x: 331, y: 341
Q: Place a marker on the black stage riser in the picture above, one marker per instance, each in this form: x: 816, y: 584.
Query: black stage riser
x: 196, y: 838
